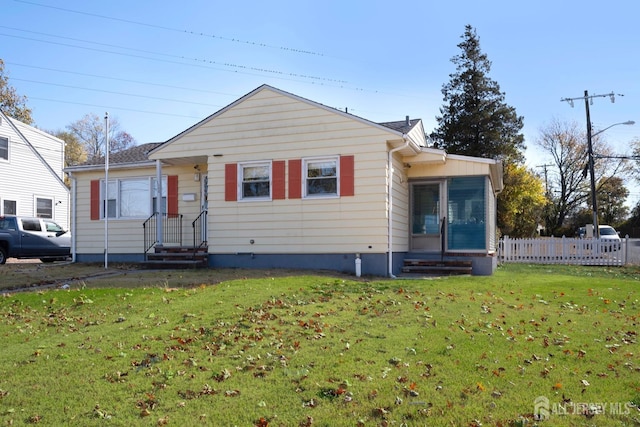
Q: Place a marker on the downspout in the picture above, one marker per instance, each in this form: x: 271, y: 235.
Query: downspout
x: 73, y: 216
x: 390, y: 207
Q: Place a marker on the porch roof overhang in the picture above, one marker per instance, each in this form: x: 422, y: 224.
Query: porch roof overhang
x: 182, y: 161
x: 427, y: 156
x: 434, y: 156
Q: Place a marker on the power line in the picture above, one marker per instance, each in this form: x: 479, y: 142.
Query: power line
x: 198, y: 60
x: 117, y: 108
x: 194, y: 33
x: 199, y: 90
x: 118, y: 93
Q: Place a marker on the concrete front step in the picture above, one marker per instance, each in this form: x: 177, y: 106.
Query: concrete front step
x: 437, y: 267
x: 177, y: 257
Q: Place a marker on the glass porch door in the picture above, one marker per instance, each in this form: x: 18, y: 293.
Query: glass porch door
x: 426, y: 214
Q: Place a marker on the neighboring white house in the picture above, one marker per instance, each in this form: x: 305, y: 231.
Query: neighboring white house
x: 31, y: 172
x: 277, y: 180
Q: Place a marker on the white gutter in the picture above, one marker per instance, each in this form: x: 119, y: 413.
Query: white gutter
x: 390, y: 207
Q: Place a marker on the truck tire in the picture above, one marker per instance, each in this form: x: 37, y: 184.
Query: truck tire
x: 3, y: 255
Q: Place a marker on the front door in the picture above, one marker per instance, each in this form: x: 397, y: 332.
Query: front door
x: 426, y: 216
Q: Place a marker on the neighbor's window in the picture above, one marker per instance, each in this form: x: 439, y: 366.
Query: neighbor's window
x: 255, y: 180
x: 4, y: 148
x: 44, y: 207
x: 321, y: 177
x: 131, y: 198
x: 9, y: 207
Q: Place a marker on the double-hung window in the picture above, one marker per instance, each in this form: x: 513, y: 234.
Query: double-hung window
x: 44, y: 207
x: 255, y: 178
x: 132, y: 198
x: 4, y: 148
x: 321, y: 177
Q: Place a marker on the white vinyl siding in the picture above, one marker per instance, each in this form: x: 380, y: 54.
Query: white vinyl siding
x: 25, y: 175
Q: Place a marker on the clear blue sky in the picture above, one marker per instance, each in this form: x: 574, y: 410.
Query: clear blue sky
x: 160, y: 66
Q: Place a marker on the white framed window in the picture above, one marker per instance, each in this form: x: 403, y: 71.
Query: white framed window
x: 129, y: 198
x: 255, y: 181
x: 4, y: 148
x: 321, y: 176
x: 9, y: 207
x: 44, y: 207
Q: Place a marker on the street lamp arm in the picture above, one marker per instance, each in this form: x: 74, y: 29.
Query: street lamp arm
x: 628, y: 122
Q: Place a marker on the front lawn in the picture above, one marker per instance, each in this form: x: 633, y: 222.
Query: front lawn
x: 311, y: 350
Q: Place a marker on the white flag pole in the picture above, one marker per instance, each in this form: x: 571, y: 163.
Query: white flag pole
x: 106, y: 191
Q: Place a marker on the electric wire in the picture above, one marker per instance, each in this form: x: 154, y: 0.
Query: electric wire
x: 161, y: 27
x: 199, y: 60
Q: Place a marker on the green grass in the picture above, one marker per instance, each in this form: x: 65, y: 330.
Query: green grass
x: 326, y: 351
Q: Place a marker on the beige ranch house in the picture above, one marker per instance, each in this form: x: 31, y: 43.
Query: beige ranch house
x: 275, y: 180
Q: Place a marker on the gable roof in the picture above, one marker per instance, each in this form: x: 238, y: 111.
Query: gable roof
x: 400, y: 128
x: 139, y: 154
x: 21, y: 129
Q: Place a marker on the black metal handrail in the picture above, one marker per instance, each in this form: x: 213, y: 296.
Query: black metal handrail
x: 197, y: 225
x: 171, y: 230
x: 442, y: 237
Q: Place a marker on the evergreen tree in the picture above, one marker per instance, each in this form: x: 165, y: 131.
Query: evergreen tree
x: 475, y: 120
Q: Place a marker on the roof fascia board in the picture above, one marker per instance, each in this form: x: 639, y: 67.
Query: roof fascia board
x: 90, y: 168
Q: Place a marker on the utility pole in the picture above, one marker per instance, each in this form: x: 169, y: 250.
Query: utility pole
x: 546, y: 181
x: 588, y: 99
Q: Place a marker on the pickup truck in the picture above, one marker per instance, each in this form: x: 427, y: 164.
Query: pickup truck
x: 43, y: 238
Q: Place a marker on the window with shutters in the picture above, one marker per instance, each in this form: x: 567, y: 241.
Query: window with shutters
x: 132, y: 198
x: 255, y: 180
x: 321, y: 177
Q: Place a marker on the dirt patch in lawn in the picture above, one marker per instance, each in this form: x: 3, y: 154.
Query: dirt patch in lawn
x: 33, y: 275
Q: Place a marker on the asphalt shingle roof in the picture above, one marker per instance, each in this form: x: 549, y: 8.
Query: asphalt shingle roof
x: 135, y: 154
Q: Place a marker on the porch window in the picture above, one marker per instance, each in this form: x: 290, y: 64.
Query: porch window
x: 466, y: 217
x: 4, y: 148
x: 131, y: 198
x: 44, y: 207
x: 321, y: 177
x: 255, y: 181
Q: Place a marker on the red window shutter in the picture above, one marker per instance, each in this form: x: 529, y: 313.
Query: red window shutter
x: 346, y: 176
x: 230, y: 182
x: 95, y: 199
x: 172, y: 195
x: 295, y: 179
x: 277, y: 172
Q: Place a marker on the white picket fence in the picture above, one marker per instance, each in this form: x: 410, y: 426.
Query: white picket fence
x: 564, y: 250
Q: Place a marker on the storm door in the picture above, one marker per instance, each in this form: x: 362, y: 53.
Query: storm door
x: 426, y: 216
